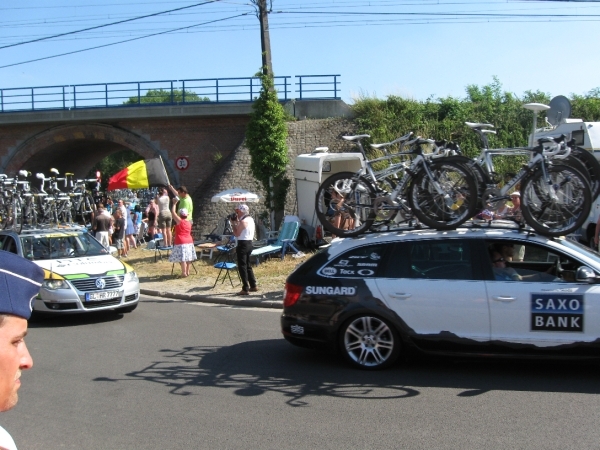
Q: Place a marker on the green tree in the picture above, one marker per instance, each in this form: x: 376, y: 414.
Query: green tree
x: 266, y: 136
x: 164, y: 96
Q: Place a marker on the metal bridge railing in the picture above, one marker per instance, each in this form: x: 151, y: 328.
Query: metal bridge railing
x: 165, y: 92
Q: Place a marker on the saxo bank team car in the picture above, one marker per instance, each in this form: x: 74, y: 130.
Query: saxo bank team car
x: 480, y: 291
x: 80, y: 274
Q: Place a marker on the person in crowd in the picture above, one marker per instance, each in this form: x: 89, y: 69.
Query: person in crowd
x: 243, y: 229
x: 152, y: 215
x: 515, y: 212
x: 130, y: 230
x: 20, y: 282
x: 501, y: 271
x: 185, y: 201
x: 164, y: 217
x: 183, y: 245
x: 101, y: 225
x: 120, y: 225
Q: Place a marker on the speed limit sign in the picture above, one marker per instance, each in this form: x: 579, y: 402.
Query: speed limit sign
x: 182, y: 163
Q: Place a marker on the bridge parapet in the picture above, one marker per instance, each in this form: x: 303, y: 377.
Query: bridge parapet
x: 165, y: 92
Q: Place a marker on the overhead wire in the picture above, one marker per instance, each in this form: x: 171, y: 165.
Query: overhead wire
x: 116, y: 43
x: 107, y: 24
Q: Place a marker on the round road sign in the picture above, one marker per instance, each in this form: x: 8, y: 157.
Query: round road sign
x: 182, y: 163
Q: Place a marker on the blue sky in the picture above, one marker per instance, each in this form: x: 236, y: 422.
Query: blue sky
x: 411, y: 48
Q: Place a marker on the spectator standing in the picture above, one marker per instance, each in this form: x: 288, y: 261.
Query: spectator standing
x: 152, y: 214
x: 120, y: 225
x: 130, y: 230
x: 185, y: 201
x: 164, y: 217
x: 183, y: 246
x: 20, y: 281
x: 101, y: 225
x: 243, y: 230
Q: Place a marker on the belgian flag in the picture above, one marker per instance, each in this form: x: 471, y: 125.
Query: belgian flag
x: 142, y: 174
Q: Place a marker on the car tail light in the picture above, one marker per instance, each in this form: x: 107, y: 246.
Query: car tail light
x: 291, y: 294
x: 319, y: 233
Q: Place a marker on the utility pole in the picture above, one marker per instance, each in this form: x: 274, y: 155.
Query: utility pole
x: 265, y: 41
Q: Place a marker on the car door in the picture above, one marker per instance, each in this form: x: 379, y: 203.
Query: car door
x: 544, y: 309
x: 435, y: 286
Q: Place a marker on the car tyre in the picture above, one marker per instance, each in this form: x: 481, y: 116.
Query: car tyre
x: 369, y: 342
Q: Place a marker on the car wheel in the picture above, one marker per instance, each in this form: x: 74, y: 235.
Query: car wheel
x: 368, y: 342
x: 127, y: 309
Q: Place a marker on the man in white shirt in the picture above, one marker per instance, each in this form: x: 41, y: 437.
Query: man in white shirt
x: 20, y: 281
x: 243, y: 230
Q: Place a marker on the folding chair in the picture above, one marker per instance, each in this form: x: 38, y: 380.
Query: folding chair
x: 225, y: 262
x: 141, y: 235
x: 287, y: 237
x: 159, y: 248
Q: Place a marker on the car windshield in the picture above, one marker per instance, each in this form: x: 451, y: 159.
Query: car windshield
x: 61, y: 245
x: 587, y: 251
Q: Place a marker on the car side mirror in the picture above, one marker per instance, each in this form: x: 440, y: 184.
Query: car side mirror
x: 585, y: 275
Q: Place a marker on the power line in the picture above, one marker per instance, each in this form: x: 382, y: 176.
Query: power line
x: 107, y: 24
x: 120, y: 42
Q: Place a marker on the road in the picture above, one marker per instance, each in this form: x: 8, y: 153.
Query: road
x: 181, y: 375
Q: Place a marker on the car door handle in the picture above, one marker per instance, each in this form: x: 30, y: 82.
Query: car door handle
x: 400, y: 295
x: 501, y: 298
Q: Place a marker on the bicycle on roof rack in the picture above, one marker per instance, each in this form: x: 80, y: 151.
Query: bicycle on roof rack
x: 555, y: 189
x: 440, y: 193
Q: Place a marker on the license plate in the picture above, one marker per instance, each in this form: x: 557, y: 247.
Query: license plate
x: 95, y: 296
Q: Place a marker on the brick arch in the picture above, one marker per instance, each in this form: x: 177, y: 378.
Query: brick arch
x: 77, y: 148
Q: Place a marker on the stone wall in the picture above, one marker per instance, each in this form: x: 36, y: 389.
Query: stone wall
x: 234, y: 171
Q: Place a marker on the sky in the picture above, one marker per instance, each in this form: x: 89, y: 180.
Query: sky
x: 411, y: 48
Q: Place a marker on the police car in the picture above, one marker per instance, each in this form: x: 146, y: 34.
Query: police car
x: 80, y: 274
x: 494, y: 291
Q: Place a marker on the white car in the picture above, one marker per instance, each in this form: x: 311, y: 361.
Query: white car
x: 498, y: 292
x: 80, y: 274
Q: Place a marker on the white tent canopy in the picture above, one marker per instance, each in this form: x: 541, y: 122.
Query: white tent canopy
x: 235, y: 195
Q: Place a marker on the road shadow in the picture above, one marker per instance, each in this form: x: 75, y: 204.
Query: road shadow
x: 73, y: 320
x: 253, y: 368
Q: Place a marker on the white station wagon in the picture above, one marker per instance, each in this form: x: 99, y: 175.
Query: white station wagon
x: 492, y: 291
x: 80, y: 274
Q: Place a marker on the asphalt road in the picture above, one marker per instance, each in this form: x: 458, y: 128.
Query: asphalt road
x: 179, y: 375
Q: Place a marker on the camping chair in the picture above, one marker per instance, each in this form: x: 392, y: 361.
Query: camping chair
x: 225, y: 261
x: 287, y: 237
x: 141, y: 234
x: 159, y: 248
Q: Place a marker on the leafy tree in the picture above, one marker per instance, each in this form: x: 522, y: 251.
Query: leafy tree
x: 164, y: 96
x: 266, y: 136
x: 444, y: 118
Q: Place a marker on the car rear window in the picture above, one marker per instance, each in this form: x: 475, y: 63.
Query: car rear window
x: 360, y: 262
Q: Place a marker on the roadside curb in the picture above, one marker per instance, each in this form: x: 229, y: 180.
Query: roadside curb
x: 222, y: 300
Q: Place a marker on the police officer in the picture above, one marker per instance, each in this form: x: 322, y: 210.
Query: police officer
x: 20, y: 281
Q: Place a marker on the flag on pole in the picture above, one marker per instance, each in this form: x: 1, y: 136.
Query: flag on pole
x: 140, y: 175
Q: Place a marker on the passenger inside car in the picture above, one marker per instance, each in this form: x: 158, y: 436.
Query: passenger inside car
x: 501, y: 271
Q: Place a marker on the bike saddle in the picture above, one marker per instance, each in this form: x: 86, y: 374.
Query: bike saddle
x: 479, y: 125
x: 356, y: 138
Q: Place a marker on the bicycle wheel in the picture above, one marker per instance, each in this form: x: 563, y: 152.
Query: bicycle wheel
x: 592, y: 166
x: 16, y: 218
x: 87, y: 209
x: 29, y: 212
x: 344, y: 204
x: 450, y: 208
x: 559, y: 208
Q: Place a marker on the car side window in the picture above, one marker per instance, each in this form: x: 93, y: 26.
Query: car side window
x: 530, y: 263
x: 9, y: 245
x: 359, y: 262
x: 435, y: 259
